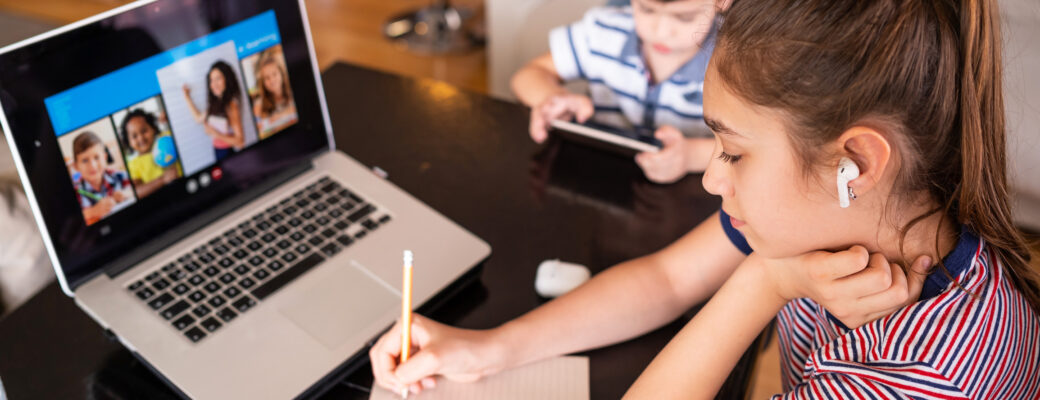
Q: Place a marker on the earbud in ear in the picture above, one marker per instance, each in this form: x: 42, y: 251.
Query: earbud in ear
x: 847, y: 171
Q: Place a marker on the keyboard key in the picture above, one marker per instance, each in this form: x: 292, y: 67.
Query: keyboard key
x: 263, y: 226
x: 275, y: 265
x: 284, y: 244
x: 145, y: 293
x: 310, y: 228
x: 291, y: 210
x: 330, y: 249
x: 197, y: 296
x: 161, y: 301
x: 195, y: 334
x: 240, y: 254
x: 175, y: 309
x: 197, y: 279
x: 315, y: 240
x: 235, y: 241
x: 227, y: 314
x: 314, y: 195
x: 183, y: 322
x: 335, y: 213
x: 244, y: 304
x: 185, y: 258
x: 242, y: 269
x: 211, y: 324
x: 362, y: 213
x: 176, y: 275
x: 261, y: 274
x: 369, y: 224
x: 211, y: 271
x: 214, y: 241
x: 217, y: 301
x: 303, y: 203
x: 191, y: 266
x: 161, y: 284
x: 256, y: 260
x: 246, y: 283
x: 384, y: 219
x: 281, y: 229
x: 268, y: 237
x: 329, y: 233
x: 249, y: 233
x: 254, y: 246
x: 297, y: 236
x: 290, y: 273
x: 201, y: 311
x: 231, y: 292
x: 294, y: 222
x: 329, y: 188
x: 152, y: 276
x: 320, y: 207
x: 333, y: 199
x: 227, y: 262
x: 206, y: 258
x: 277, y: 218
x: 221, y: 249
x: 302, y: 248
x: 135, y: 285
x: 168, y: 267
x: 307, y: 214
x: 340, y: 225
x: 345, y: 240
x: 181, y: 289
x: 227, y: 278
x: 289, y: 257
x: 360, y: 234
x: 323, y: 220
x: 270, y: 252
x: 212, y: 287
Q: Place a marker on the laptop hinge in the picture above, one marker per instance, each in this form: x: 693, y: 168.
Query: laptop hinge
x: 192, y: 225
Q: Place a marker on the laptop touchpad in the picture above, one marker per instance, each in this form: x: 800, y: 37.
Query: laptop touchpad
x: 333, y: 310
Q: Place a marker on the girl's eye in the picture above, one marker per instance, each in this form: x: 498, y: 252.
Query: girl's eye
x: 727, y: 158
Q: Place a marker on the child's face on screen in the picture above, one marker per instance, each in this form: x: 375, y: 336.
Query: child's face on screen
x: 216, y: 82
x: 91, y: 163
x: 272, y: 76
x: 673, y: 27
x: 764, y: 188
x: 141, y: 135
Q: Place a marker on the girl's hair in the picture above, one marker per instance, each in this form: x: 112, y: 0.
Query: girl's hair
x: 84, y: 142
x: 925, y: 73
x: 218, y: 105
x: 267, y: 104
x: 148, y: 119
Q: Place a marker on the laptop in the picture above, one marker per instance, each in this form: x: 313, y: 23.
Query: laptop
x: 180, y: 164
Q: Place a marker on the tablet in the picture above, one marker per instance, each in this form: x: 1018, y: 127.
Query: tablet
x: 640, y: 140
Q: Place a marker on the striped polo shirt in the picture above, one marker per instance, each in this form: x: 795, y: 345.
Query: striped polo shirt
x: 603, y: 49
x: 950, y: 344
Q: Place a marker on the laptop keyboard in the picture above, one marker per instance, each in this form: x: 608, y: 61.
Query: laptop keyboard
x: 208, y: 287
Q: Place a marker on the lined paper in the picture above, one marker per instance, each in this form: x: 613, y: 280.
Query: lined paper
x: 560, y: 378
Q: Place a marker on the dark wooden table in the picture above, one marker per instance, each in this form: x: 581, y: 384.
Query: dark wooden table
x: 466, y: 155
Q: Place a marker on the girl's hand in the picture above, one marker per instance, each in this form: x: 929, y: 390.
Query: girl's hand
x: 853, y: 285
x: 461, y: 355
x: 561, y: 106
x: 669, y: 164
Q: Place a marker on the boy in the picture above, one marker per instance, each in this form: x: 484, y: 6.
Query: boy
x: 98, y: 188
x: 645, y: 66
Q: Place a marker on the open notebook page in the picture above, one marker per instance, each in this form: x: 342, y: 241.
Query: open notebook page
x: 560, y: 378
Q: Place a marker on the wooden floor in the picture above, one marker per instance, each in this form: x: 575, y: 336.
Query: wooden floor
x: 347, y: 30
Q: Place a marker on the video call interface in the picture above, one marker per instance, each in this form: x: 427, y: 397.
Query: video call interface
x: 178, y: 114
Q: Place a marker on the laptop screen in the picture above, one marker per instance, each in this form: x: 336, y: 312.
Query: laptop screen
x: 133, y: 124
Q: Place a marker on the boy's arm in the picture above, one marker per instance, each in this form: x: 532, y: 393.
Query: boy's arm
x: 537, y: 81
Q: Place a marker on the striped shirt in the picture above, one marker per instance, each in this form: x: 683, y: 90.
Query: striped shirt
x: 948, y: 345
x: 603, y: 49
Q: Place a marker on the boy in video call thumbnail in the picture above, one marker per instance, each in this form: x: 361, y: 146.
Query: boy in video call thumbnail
x: 99, y: 186
x: 273, y: 104
x: 151, y: 155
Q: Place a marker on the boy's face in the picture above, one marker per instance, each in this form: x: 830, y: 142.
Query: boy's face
x: 141, y: 135
x: 91, y: 163
x: 673, y: 27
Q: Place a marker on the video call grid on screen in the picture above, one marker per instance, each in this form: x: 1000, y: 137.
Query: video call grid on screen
x: 183, y: 142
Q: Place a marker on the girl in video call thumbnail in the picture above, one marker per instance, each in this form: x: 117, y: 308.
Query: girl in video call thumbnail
x: 98, y: 187
x: 273, y: 103
x: 222, y: 120
x: 149, y: 169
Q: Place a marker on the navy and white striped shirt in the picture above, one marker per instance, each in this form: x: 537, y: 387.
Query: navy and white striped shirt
x: 603, y: 49
x: 950, y: 344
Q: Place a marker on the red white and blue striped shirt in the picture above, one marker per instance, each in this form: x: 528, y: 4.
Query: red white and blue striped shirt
x: 982, y: 343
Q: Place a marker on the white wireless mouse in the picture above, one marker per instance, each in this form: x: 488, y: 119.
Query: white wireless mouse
x: 555, y: 277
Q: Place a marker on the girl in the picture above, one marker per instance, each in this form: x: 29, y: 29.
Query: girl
x: 98, y: 188
x: 222, y: 120
x: 140, y: 131
x: 274, y: 105
x: 908, y: 91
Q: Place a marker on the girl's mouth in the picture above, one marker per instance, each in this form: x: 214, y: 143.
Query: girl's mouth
x: 660, y: 48
x: 736, y: 223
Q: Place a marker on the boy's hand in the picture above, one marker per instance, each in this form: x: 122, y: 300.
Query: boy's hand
x: 669, y: 164
x: 853, y: 285
x: 104, y: 206
x: 561, y: 106
x: 117, y: 196
x: 457, y: 354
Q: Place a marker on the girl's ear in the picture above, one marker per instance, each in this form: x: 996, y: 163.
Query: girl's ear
x: 871, y: 151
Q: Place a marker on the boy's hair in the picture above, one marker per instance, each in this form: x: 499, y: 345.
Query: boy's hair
x: 218, y: 105
x: 84, y: 142
x: 267, y: 105
x: 925, y: 73
x: 149, y: 119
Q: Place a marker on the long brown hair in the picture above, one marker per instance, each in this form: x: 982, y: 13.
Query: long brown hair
x: 928, y: 73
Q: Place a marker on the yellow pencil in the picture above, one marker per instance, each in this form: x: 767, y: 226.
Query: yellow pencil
x: 406, y: 312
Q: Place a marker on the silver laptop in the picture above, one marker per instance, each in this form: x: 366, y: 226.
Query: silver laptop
x: 179, y: 160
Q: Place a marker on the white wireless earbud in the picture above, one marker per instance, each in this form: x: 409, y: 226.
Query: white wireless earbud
x: 847, y: 171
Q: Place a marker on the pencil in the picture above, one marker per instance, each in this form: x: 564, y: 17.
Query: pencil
x: 406, y: 312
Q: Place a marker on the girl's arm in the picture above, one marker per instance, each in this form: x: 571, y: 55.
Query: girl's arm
x: 145, y: 189
x: 198, y: 116
x: 238, y: 136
